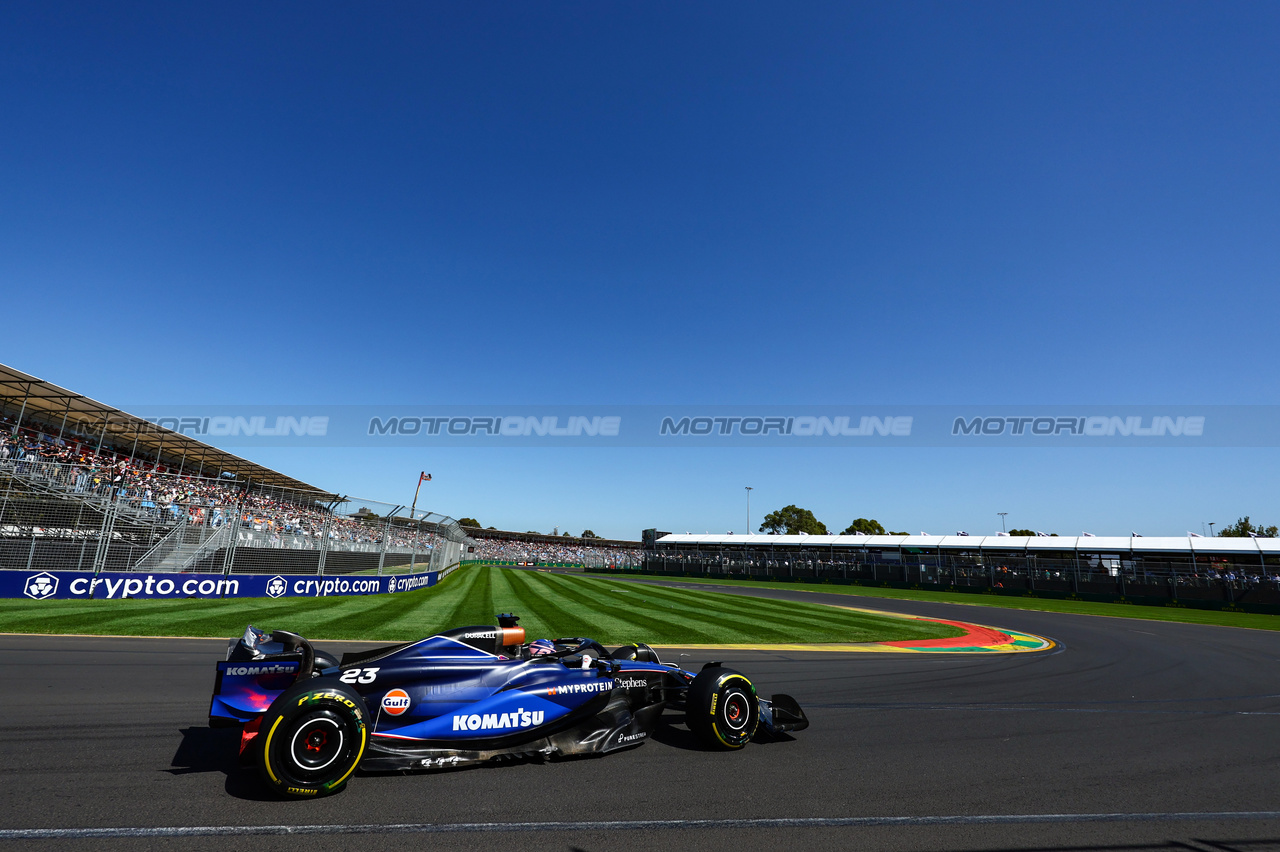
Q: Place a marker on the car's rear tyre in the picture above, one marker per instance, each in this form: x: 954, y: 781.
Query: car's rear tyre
x: 722, y: 709
x: 313, y: 737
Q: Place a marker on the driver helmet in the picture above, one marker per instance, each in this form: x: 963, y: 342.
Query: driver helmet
x: 541, y: 647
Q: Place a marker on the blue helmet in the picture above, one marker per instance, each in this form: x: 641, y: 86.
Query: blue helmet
x: 541, y: 647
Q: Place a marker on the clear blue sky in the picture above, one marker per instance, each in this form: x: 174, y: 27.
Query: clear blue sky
x: 635, y: 203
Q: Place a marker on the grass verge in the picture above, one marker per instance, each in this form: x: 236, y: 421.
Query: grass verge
x: 1257, y: 621
x: 549, y: 605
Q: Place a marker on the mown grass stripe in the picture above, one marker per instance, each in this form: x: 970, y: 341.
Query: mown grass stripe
x: 769, y: 617
x: 455, y: 609
x: 546, y: 617
x: 641, y: 620
x: 778, y: 620
x: 713, y: 614
x: 549, y: 604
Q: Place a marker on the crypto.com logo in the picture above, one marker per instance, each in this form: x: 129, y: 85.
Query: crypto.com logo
x: 41, y: 586
x: 276, y: 587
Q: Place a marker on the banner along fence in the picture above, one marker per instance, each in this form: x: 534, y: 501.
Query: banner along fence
x: 80, y: 585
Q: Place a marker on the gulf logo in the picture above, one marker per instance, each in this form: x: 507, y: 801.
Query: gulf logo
x: 395, y: 702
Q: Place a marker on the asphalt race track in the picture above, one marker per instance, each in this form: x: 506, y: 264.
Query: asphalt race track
x: 1132, y: 735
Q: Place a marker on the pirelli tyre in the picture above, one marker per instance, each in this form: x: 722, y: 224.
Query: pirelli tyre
x: 722, y: 709
x: 313, y: 737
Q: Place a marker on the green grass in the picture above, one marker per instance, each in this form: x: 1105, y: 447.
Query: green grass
x: 1257, y: 621
x: 550, y: 605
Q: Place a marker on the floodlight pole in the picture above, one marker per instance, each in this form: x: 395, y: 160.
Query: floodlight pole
x: 1211, y: 523
x: 749, y: 490
x: 1002, y: 526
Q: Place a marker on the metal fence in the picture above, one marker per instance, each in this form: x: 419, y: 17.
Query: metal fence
x: 108, y: 517
x: 1161, y: 575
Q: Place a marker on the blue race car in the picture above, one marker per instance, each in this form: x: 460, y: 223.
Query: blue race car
x: 466, y: 696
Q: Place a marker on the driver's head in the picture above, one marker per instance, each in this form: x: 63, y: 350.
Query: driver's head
x: 541, y: 647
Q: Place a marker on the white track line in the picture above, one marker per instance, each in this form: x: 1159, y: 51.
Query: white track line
x: 620, y: 825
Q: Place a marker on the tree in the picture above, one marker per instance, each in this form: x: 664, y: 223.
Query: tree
x: 904, y: 532
x: 1022, y: 532
x: 792, y: 520
x: 865, y: 526
x: 469, y: 522
x: 565, y: 534
x: 589, y: 534
x: 1242, y: 528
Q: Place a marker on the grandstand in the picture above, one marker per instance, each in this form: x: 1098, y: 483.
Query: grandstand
x: 86, y: 486
x: 1158, y: 568
x: 504, y: 546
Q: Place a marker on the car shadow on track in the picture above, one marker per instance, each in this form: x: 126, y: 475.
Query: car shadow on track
x: 218, y: 750
x: 678, y: 736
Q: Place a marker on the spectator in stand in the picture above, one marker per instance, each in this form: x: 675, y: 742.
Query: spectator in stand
x: 515, y: 550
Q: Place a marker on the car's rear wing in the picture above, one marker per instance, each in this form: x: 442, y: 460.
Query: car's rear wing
x: 259, y: 666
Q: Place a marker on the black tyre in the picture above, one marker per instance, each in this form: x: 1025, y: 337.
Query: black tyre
x: 722, y: 709
x: 313, y: 737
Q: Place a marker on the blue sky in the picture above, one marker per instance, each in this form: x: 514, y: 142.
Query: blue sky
x: 577, y: 203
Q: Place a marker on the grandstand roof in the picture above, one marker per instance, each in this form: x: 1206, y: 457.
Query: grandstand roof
x: 1091, y: 544
x: 53, y: 405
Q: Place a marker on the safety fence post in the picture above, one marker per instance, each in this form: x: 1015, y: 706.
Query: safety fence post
x: 382, y: 546
x: 324, y: 541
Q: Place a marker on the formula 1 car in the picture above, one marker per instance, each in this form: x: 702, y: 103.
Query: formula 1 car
x: 466, y: 696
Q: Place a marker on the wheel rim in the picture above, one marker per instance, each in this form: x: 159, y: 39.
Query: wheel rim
x: 316, y: 743
x: 737, y: 712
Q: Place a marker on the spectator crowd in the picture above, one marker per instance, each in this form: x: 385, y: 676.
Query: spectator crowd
x: 542, y: 552
x: 152, y: 491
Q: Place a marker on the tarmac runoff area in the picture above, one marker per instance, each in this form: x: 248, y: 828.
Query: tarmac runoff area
x: 1123, y: 735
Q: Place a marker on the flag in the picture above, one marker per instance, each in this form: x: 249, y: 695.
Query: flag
x: 424, y: 477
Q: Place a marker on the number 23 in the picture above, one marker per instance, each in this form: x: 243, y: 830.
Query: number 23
x: 359, y: 676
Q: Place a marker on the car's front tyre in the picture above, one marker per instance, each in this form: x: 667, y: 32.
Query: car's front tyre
x: 313, y: 737
x: 722, y: 709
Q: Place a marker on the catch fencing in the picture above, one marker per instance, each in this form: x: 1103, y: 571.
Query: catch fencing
x: 114, y: 518
x: 585, y: 561
x: 1217, y: 581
